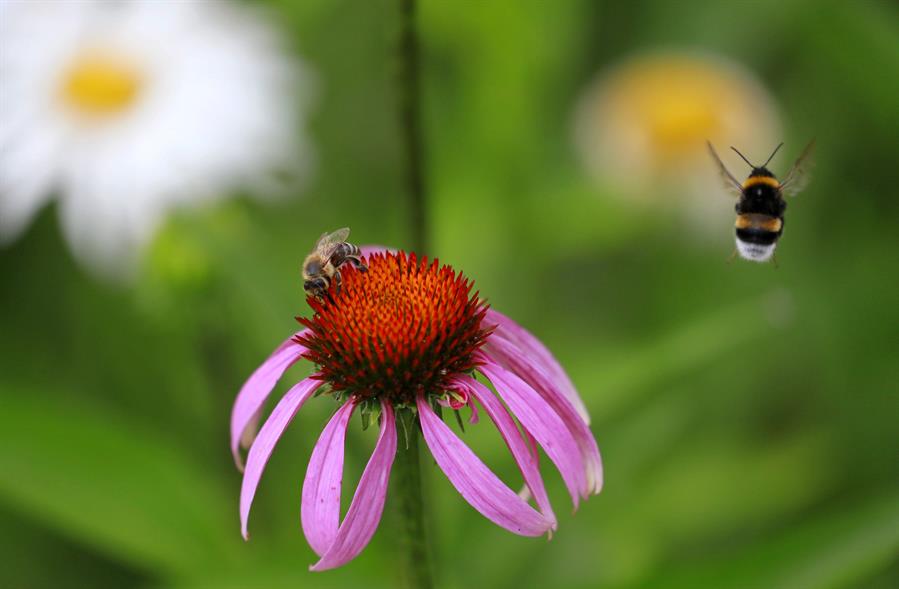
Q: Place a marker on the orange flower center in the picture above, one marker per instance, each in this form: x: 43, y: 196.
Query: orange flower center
x: 401, y: 328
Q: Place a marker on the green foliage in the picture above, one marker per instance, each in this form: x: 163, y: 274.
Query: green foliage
x: 103, y: 479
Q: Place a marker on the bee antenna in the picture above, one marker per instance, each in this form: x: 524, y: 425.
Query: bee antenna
x: 772, y: 154
x: 742, y: 156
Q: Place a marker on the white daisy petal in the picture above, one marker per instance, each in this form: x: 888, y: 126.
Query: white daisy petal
x: 25, y: 183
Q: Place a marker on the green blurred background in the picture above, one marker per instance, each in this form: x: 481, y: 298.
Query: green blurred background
x: 747, y: 414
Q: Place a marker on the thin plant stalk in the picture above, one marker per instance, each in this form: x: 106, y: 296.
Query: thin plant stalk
x: 416, y: 570
x: 406, y: 486
x: 410, y: 125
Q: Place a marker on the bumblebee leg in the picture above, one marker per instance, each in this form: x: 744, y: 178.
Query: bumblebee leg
x: 774, y: 259
x: 730, y: 259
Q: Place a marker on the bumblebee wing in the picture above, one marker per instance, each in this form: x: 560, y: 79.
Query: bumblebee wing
x: 798, y: 176
x: 730, y: 183
x: 327, y: 242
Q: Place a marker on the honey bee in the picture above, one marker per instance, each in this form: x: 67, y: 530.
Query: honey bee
x: 761, y: 205
x: 323, y: 264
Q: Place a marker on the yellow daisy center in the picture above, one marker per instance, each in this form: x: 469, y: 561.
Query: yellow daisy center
x: 681, y: 119
x: 667, y: 106
x: 100, y: 85
x: 681, y: 104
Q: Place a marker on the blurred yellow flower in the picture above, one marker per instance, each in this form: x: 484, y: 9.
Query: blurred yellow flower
x: 124, y: 110
x: 641, y: 128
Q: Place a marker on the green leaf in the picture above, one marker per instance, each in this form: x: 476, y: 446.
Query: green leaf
x: 365, y: 415
x: 111, y: 484
x: 459, y: 420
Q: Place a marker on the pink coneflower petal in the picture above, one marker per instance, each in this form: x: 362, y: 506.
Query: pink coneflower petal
x: 518, y: 446
x: 535, y: 351
x: 542, y: 422
x: 510, y: 356
x: 365, y: 510
x: 269, y: 435
x: 474, y: 419
x: 532, y: 445
x: 320, y: 508
x: 525, y: 492
x: 370, y: 249
x: 475, y: 482
x: 252, y: 396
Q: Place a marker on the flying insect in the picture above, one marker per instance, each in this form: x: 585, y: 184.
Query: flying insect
x: 761, y: 205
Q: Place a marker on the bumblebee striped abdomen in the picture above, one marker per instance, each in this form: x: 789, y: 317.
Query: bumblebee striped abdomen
x: 759, y: 221
x: 759, y: 229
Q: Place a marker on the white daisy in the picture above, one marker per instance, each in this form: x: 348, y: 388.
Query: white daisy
x: 123, y: 110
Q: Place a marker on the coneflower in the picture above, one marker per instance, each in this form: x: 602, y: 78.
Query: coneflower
x: 410, y: 336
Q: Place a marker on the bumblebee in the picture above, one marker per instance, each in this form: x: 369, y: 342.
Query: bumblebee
x: 761, y: 205
x: 323, y: 264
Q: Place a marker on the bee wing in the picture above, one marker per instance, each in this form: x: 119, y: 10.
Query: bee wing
x: 730, y: 183
x: 798, y: 176
x: 340, y: 235
x: 327, y: 242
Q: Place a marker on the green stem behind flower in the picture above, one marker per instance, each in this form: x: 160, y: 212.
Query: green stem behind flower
x: 406, y: 488
x: 410, y: 124
x: 406, y: 484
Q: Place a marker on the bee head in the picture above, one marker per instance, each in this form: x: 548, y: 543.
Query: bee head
x: 313, y: 267
x: 316, y: 286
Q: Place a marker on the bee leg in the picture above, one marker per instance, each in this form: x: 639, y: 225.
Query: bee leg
x: 357, y: 262
x: 338, y: 281
x: 326, y: 294
x: 774, y: 259
x: 730, y: 259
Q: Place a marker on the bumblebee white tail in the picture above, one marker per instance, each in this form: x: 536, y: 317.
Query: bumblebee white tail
x: 755, y: 252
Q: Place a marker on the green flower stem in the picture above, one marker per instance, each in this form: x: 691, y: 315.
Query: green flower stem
x: 406, y: 483
x: 406, y: 489
x: 410, y: 124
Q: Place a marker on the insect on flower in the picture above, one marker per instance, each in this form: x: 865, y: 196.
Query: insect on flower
x: 410, y: 336
x: 322, y: 265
